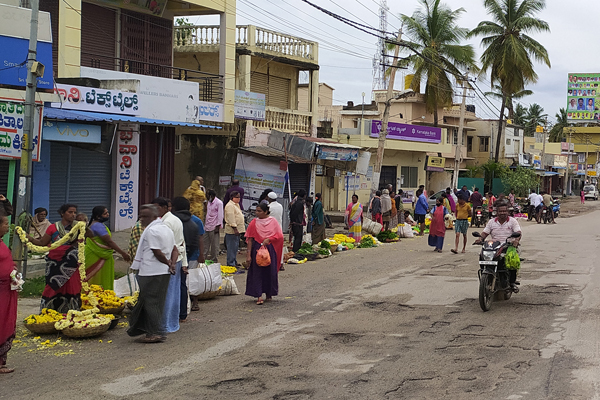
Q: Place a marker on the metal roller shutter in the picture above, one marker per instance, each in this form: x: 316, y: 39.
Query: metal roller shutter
x: 98, y: 46
x: 51, y: 6
x: 276, y: 89
x: 4, y: 167
x: 78, y: 176
x: 299, y: 178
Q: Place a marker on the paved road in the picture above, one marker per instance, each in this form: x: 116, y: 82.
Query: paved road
x: 396, y: 322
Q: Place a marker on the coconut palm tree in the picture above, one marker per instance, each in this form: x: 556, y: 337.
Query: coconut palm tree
x: 434, y: 33
x: 556, y: 133
x: 496, y: 93
x: 535, y: 117
x: 519, y: 115
x: 509, y: 50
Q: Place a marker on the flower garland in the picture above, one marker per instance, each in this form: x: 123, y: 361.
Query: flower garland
x: 79, y: 228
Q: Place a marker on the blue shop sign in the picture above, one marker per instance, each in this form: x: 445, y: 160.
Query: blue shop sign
x: 71, y: 132
x: 14, y: 52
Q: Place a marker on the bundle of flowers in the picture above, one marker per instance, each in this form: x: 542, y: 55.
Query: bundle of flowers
x: 227, y: 270
x: 98, y: 297
x: 341, y: 238
x: 83, y: 319
x: 131, y: 301
x: 46, y: 316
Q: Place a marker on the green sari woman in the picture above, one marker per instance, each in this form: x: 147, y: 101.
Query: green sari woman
x: 99, y: 249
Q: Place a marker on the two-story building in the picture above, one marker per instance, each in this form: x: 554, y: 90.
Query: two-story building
x: 268, y: 65
x: 481, y: 142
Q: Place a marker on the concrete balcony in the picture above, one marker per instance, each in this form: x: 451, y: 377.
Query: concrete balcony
x: 292, y: 121
x: 454, y: 112
x: 249, y: 39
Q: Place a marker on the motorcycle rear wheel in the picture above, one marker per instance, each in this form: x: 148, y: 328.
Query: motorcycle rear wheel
x: 486, y: 293
x: 507, y: 294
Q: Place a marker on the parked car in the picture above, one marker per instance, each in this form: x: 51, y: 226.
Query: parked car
x: 431, y: 200
x: 591, y: 192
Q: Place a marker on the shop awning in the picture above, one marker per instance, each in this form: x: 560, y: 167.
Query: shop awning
x: 71, y: 115
x: 546, y: 173
x: 266, y: 151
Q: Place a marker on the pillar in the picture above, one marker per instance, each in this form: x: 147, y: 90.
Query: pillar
x: 69, y: 38
x: 227, y: 58
x: 314, y: 102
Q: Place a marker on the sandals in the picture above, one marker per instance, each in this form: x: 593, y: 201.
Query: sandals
x: 5, y: 370
x: 454, y: 251
x: 260, y: 302
x: 195, y: 307
x: 152, y: 339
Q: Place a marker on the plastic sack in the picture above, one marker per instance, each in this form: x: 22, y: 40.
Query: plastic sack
x: 126, y: 286
x: 204, y: 279
x: 228, y: 288
x: 263, y: 258
x: 405, y: 231
x: 512, y: 259
x: 372, y: 227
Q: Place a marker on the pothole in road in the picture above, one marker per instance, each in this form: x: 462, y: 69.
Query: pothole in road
x: 343, y: 337
x: 266, y: 363
x: 385, y: 306
x: 240, y: 386
x: 294, y: 395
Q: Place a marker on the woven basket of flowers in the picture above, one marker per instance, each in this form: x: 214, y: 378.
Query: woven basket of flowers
x: 86, y: 332
x: 44, y: 328
x: 43, y: 323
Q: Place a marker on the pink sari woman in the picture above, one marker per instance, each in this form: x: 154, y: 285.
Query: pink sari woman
x: 437, y: 229
x: 8, y: 300
x: 353, y: 219
x: 263, y: 231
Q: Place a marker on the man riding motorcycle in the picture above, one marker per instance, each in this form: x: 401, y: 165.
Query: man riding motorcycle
x: 548, y: 202
x: 500, y: 229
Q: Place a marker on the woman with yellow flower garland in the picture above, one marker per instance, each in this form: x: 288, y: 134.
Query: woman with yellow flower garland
x: 63, y: 285
x: 99, y: 249
x: 8, y: 300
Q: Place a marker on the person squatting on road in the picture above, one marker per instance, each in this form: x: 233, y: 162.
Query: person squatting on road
x: 155, y: 262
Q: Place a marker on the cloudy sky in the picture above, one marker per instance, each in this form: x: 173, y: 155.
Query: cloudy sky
x: 345, y: 54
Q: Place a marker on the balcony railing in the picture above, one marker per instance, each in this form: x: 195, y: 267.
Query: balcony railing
x: 211, y: 85
x: 285, y: 120
x: 247, y: 36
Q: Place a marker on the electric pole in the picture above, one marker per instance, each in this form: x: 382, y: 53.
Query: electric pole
x: 24, y: 189
x: 459, y: 141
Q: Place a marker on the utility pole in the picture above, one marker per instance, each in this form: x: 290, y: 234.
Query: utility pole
x: 459, y: 141
x: 384, y: 122
x: 569, y: 164
x: 24, y: 190
x: 543, y: 164
x: 586, y: 159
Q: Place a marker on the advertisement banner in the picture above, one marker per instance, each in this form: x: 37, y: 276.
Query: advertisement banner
x: 583, y: 97
x: 435, y: 164
x: 71, y: 132
x: 13, y: 66
x: 257, y: 174
x: 12, y: 140
x: 127, y: 170
x: 337, y: 154
x: 108, y: 101
x: 249, y: 105
x: 413, y: 133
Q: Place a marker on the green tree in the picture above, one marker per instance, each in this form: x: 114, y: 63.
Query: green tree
x: 535, y: 117
x: 509, y: 49
x: 492, y: 170
x: 496, y: 93
x: 522, y: 180
x: 556, y: 133
x: 433, y: 31
x: 520, y: 113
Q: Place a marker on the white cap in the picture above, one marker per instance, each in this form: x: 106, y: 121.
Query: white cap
x: 272, y: 195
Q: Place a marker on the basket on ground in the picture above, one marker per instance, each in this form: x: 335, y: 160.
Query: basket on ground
x: 86, y: 332
x: 45, y: 328
x: 113, y: 310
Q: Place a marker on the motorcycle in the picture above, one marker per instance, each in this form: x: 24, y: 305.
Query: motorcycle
x: 478, y: 217
x: 493, y: 275
x: 546, y: 215
x: 556, y: 208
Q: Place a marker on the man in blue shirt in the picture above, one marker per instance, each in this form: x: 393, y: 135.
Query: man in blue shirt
x: 421, y: 208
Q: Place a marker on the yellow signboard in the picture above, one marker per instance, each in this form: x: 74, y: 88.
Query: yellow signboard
x: 591, y: 173
x: 539, y: 129
x: 435, y: 164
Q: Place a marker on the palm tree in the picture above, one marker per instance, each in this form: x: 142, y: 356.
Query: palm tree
x: 497, y: 94
x: 519, y: 115
x: 509, y: 49
x: 557, y: 132
x: 535, y: 117
x: 433, y: 32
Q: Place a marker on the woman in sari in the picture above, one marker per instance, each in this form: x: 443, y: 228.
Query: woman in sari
x: 99, y: 249
x: 353, y: 219
x: 197, y: 199
x: 437, y: 229
x: 39, y: 223
x: 394, y: 219
x: 386, y: 208
x: 318, y: 220
x: 63, y: 283
x: 8, y: 300
x: 263, y: 231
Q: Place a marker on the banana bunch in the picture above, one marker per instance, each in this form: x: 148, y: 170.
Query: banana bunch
x: 47, y: 315
x: 82, y: 319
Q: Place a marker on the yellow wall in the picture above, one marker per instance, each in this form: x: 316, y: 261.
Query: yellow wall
x: 69, y: 38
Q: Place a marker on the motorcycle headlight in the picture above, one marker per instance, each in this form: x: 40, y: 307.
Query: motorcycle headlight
x: 488, y: 255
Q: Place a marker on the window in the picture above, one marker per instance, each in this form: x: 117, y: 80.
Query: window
x: 484, y: 144
x: 508, y: 142
x: 177, y: 144
x: 410, y: 175
x: 455, y: 136
x: 470, y: 143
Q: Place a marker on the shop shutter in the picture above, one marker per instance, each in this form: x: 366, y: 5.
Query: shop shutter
x: 276, y: 89
x: 98, y: 46
x: 89, y: 182
x: 4, y: 167
x: 299, y: 179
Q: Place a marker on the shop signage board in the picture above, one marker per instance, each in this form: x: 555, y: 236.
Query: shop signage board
x: 71, y: 132
x: 108, y: 101
x: 126, y: 167
x: 12, y: 113
x: 255, y: 175
x: 413, y: 133
x: 337, y: 153
x: 225, y: 180
x: 249, y: 105
x: 435, y: 164
x: 583, y: 97
x: 14, y: 70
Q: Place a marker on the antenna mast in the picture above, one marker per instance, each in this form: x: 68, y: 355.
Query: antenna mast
x: 379, y: 59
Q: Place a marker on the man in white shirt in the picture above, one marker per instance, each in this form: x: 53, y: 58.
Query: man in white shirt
x: 275, y: 208
x: 534, y: 204
x: 154, y: 262
x: 171, y: 314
